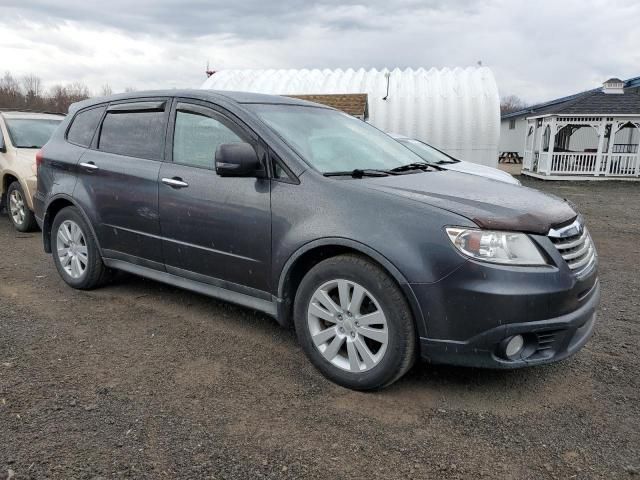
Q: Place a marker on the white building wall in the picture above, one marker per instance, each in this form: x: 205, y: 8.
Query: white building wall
x: 513, y: 140
x: 455, y: 110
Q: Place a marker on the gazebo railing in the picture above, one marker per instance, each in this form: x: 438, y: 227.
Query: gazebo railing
x: 620, y: 165
x: 574, y: 163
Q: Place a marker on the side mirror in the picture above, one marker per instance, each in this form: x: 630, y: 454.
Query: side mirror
x: 237, y: 160
x: 3, y: 148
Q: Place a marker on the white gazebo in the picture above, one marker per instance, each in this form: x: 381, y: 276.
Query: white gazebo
x: 595, y: 135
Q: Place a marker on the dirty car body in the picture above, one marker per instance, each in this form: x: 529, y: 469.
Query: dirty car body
x: 254, y: 240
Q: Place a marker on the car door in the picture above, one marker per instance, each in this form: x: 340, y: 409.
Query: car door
x: 118, y: 180
x: 215, y: 229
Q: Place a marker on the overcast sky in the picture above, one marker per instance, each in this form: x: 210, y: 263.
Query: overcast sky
x: 537, y: 50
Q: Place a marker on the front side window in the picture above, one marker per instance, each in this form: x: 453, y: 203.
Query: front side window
x: 135, y: 134
x: 31, y: 132
x: 84, y: 126
x: 332, y: 141
x: 197, y: 137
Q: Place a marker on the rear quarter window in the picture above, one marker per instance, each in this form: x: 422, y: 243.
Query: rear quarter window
x: 136, y: 134
x: 84, y: 126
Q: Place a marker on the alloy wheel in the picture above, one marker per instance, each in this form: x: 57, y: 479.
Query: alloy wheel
x: 17, y: 207
x: 72, y: 249
x: 348, y: 326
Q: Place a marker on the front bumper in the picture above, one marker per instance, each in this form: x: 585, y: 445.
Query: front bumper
x: 469, y: 314
x: 546, y: 341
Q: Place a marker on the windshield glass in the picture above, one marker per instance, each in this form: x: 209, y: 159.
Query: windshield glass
x: 427, y: 152
x: 332, y: 141
x: 30, y: 132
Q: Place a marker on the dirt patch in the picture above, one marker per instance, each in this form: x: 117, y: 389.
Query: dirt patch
x: 141, y: 380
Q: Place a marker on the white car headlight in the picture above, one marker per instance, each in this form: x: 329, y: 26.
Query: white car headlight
x: 509, y: 248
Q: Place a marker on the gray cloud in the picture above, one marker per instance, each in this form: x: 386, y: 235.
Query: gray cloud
x: 537, y: 50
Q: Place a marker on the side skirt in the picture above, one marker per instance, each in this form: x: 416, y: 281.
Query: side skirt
x: 266, y: 306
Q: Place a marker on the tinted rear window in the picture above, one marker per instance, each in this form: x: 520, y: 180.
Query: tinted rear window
x: 136, y: 134
x: 84, y: 126
x: 31, y: 132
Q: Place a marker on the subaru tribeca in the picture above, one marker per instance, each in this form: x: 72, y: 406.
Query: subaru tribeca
x: 321, y: 221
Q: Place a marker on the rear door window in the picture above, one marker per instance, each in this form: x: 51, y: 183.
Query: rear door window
x: 84, y: 126
x: 139, y: 132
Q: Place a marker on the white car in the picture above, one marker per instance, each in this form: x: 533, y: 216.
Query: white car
x: 434, y: 156
x: 22, y: 134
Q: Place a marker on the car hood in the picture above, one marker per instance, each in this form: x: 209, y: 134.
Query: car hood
x: 490, y: 204
x: 482, y: 170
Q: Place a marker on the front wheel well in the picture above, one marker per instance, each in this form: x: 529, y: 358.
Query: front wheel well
x: 7, y: 180
x: 50, y: 214
x: 305, y: 262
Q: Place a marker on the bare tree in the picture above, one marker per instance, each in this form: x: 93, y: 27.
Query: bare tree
x: 32, y: 85
x: 512, y: 103
x: 130, y: 89
x: 10, y: 94
x: 106, y: 90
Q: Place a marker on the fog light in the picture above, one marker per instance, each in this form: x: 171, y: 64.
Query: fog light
x: 513, y: 346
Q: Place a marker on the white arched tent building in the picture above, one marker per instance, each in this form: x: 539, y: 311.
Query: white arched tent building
x: 456, y: 110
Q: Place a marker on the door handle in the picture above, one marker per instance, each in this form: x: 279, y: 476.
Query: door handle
x: 175, y: 182
x: 89, y: 166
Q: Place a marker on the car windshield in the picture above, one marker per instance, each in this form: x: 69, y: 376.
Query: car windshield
x: 427, y: 152
x: 332, y: 141
x: 31, y: 132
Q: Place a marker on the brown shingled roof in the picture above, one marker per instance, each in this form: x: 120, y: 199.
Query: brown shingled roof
x: 355, y: 104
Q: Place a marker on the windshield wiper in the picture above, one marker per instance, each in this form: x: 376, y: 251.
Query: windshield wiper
x: 359, y: 173
x: 414, y: 166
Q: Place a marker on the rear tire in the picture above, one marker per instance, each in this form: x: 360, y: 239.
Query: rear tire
x: 22, y: 218
x: 354, y: 323
x: 75, y: 251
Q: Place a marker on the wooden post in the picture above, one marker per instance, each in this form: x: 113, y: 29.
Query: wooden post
x: 540, y: 143
x: 601, y: 131
x: 552, y: 142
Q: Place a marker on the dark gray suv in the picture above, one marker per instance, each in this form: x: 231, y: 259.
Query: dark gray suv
x: 321, y: 221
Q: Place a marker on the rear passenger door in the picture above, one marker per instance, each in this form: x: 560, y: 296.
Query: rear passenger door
x: 118, y: 180
x: 215, y: 230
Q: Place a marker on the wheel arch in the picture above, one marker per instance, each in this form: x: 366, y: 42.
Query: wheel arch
x: 310, y: 254
x: 53, y: 207
x: 8, y: 177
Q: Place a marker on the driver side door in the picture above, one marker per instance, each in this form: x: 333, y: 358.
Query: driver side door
x: 215, y: 229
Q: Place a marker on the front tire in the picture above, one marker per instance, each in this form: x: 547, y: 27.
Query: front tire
x: 75, y: 251
x: 354, y: 323
x: 22, y: 218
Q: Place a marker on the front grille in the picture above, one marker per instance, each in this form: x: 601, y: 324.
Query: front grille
x: 576, y: 248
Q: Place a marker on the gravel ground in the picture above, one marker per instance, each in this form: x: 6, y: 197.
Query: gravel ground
x: 141, y: 380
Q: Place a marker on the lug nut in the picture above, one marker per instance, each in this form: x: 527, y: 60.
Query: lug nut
x: 357, y: 324
x: 341, y: 330
x: 353, y: 334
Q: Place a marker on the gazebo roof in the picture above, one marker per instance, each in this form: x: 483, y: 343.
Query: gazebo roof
x: 596, y: 103
x: 630, y: 85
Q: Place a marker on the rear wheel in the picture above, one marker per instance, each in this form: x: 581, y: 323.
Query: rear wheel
x: 354, y: 323
x: 23, y: 219
x: 75, y: 251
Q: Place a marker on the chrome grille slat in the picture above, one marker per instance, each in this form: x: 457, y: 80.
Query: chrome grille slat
x: 576, y: 249
x: 578, y: 253
x: 573, y: 243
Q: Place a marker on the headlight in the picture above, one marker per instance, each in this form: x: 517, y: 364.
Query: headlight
x: 509, y: 248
